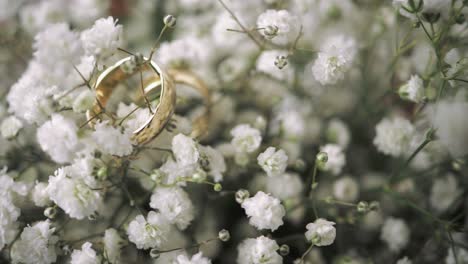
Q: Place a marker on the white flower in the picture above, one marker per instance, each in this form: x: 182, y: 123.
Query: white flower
x: 103, y: 39
x: 264, y: 211
x: 58, y: 137
x: 58, y: 46
x: 112, y: 245
x: 321, y: 232
x: 185, y: 150
x: 346, y: 189
x: 462, y: 256
x: 266, y: 64
x: 273, y: 162
x: 83, y: 101
x: 284, y: 186
x: 292, y: 124
x: 413, y: 90
x: 150, y: 232
x: 196, y: 259
x: 287, y: 25
x: 334, y: 60
x: 260, y: 250
x: 404, y: 260
x: 9, y: 213
x: 395, y: 233
x: 37, y: 16
x: 444, y: 192
x: 133, y: 120
x: 174, y: 204
x: 36, y: 245
x: 110, y: 140
x: 10, y: 127
x: 217, y: 165
x: 336, y: 158
x: 39, y: 195
x: 86, y: 255
x: 72, y: 194
x: 245, y: 138
x: 184, y: 52
x: 449, y: 120
x: 338, y: 132
x: 32, y: 105
x: 393, y: 136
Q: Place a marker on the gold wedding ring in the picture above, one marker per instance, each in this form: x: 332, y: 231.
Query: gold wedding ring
x: 200, y: 123
x: 112, y: 76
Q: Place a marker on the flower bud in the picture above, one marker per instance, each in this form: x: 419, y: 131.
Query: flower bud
x: 374, y: 206
x: 102, y: 173
x: 217, y: 187
x: 157, y: 175
x: 362, y: 207
x: 170, y: 21
x: 321, y: 159
x: 199, y: 176
x: 50, y: 212
x: 154, y: 253
x: 224, y: 235
x: 284, y: 250
x: 270, y: 31
x: 281, y: 61
x: 241, y: 195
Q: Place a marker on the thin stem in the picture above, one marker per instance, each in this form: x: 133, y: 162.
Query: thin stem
x: 189, y: 247
x: 241, y: 25
x: 91, y: 119
x: 301, y: 261
x: 143, y: 93
x: 155, y: 46
x: 410, y: 158
x: 452, y: 245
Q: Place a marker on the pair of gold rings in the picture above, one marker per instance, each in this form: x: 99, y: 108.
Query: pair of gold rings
x: 159, y: 80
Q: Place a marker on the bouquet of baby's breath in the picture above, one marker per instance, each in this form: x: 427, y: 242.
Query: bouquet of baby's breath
x: 230, y: 131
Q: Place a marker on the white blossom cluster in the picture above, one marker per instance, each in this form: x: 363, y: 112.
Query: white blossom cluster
x: 316, y: 131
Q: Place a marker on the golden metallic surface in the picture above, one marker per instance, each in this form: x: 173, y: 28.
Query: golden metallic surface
x: 201, y: 123
x: 112, y: 76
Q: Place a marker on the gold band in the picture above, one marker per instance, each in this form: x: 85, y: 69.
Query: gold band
x: 201, y: 123
x: 107, y: 82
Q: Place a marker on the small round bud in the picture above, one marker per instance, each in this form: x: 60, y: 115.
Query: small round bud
x: 374, y: 206
x: 204, y: 162
x: 217, y: 187
x: 102, y: 173
x: 281, y: 61
x: 170, y: 21
x: 270, y: 31
x: 92, y: 217
x: 157, y: 175
x: 224, y: 235
x: 284, y: 250
x: 199, y: 176
x: 66, y: 249
x: 241, y: 195
x: 154, y: 253
x: 321, y: 159
x: 362, y: 207
x: 50, y: 212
